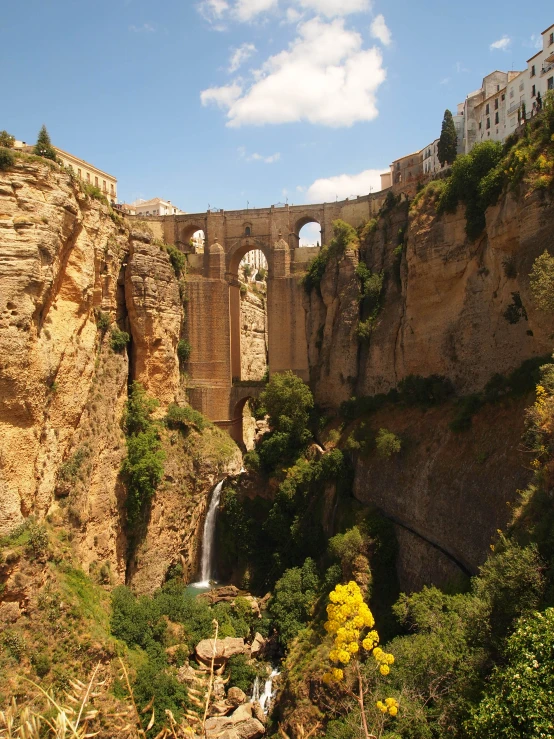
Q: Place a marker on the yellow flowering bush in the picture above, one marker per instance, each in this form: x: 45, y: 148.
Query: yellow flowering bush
x: 348, y: 618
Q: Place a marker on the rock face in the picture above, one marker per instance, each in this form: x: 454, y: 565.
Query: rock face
x: 155, y: 315
x: 444, y: 311
x: 70, y: 271
x: 253, y: 336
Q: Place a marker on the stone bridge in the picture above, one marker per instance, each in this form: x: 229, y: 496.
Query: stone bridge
x: 213, y: 290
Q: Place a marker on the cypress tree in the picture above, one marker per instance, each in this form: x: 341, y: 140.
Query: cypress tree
x: 44, y: 147
x: 448, y: 142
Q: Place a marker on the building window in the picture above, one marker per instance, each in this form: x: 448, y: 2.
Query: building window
x: 480, y: 125
x: 521, y: 86
x: 112, y: 188
x: 496, y: 104
x: 503, y: 97
x: 487, y: 109
x: 533, y: 71
x: 512, y: 92
x: 96, y: 181
x: 533, y: 91
x: 488, y: 122
x: 79, y: 173
x: 247, y: 231
x: 551, y: 39
x: 550, y: 83
x: 497, y: 88
x: 88, y: 176
x: 496, y: 119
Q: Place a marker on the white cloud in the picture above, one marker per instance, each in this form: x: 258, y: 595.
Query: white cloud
x: 327, y: 189
x: 292, y: 15
x: 324, y: 77
x: 240, y: 55
x: 536, y: 41
x: 271, y: 159
x: 246, y: 10
x: 145, y: 28
x: 223, y: 97
x: 502, y: 44
x: 445, y: 81
x: 332, y: 8
x: 380, y: 31
x: 213, y: 10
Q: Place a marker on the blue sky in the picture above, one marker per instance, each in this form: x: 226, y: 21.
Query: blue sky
x: 224, y: 102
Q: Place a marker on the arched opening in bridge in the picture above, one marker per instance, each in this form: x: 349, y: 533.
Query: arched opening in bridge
x: 248, y: 273
x: 252, y: 276
x: 308, y: 233
x: 197, y: 242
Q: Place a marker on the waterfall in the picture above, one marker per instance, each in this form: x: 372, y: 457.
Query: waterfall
x: 264, y: 699
x: 208, y: 539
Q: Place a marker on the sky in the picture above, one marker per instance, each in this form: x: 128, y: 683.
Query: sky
x: 236, y: 103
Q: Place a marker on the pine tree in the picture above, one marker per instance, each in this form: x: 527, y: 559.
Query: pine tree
x: 44, y: 147
x: 448, y: 142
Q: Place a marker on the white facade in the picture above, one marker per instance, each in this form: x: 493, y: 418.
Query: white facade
x: 155, y: 207
x: 430, y: 158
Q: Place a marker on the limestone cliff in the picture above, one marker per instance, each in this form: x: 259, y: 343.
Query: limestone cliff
x: 71, y: 272
x: 449, y: 307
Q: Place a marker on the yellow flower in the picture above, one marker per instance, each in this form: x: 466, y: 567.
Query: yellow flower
x: 353, y: 647
x: 344, y: 656
x: 384, y: 669
x: 393, y: 710
x: 327, y: 678
x: 338, y: 674
x: 381, y: 706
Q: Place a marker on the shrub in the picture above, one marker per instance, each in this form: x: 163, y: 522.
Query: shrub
x: 241, y: 673
x: 516, y: 310
x: 387, y: 443
x: 14, y: 643
x: 176, y: 257
x: 102, y: 321
x: 37, y: 544
x: 364, y: 329
x: 288, y: 401
x: 7, y: 140
x: 243, y: 291
x: 42, y: 663
x: 93, y: 192
x: 542, y: 281
x: 252, y: 461
x: 183, y: 351
x: 184, y: 417
x: 344, y: 236
x: 142, y: 469
x: 7, y: 159
x: 118, y: 339
x: 518, y: 699
x: 432, y: 390
x: 292, y: 601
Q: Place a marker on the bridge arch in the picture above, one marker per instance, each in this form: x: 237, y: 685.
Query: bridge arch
x: 299, y: 225
x: 187, y: 231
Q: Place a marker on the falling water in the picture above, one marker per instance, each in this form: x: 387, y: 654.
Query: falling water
x: 208, y: 539
x: 264, y: 699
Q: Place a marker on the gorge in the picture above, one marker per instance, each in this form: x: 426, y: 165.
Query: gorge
x: 385, y: 447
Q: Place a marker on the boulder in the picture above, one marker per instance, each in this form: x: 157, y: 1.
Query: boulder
x: 224, y: 648
x: 257, y: 645
x: 225, y: 594
x: 239, y: 725
x: 258, y: 712
x: 236, y: 696
x: 253, y: 605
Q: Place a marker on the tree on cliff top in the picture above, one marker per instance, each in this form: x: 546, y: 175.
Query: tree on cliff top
x: 43, y: 147
x: 448, y: 142
x: 7, y: 140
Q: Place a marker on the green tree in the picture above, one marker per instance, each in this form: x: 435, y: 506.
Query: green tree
x: 288, y: 401
x: 387, y: 443
x: 293, y: 598
x: 43, y: 147
x: 7, y: 140
x: 542, y: 281
x: 448, y: 141
x: 518, y: 701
